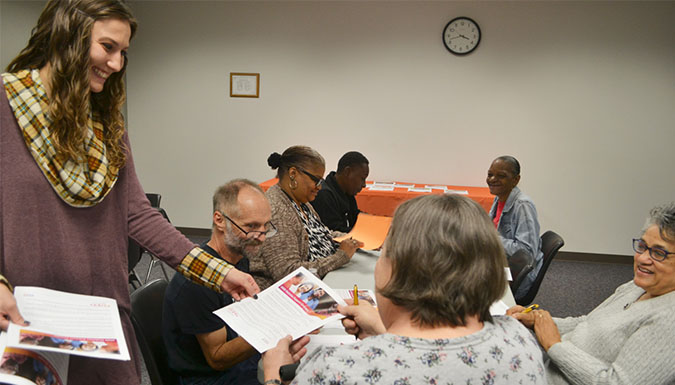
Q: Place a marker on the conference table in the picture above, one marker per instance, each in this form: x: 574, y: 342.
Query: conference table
x: 360, y: 271
x: 383, y: 198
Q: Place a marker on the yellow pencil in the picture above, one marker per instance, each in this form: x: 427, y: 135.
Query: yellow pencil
x: 530, y: 308
x: 356, y: 295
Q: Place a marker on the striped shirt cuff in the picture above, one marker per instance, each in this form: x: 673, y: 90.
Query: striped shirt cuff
x: 203, y: 269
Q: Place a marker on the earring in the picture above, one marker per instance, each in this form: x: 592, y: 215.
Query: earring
x: 293, y: 184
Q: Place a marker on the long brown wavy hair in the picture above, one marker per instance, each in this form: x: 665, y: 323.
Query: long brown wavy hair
x: 62, y: 38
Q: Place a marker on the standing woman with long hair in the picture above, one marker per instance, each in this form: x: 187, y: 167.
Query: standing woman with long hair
x: 69, y: 195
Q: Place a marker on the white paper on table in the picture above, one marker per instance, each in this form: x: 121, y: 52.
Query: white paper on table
x: 460, y: 192
x: 498, y: 308
x: 507, y: 270
x: 404, y: 185
x: 377, y: 187
x: 419, y: 189
x: 68, y: 323
x: 282, y: 309
x: 434, y: 187
x: 36, y: 364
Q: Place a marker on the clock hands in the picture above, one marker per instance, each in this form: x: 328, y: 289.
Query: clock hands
x: 463, y: 36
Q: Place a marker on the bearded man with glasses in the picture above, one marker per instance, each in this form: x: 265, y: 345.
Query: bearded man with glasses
x: 202, y: 349
x: 629, y: 338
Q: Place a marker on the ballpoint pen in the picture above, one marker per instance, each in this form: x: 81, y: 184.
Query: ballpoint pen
x: 530, y: 308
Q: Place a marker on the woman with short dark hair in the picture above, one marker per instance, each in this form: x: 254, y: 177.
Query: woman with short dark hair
x: 441, y: 267
x: 515, y: 217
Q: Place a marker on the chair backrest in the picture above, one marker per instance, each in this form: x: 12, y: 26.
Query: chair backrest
x: 154, y: 199
x: 135, y: 251
x: 520, y: 264
x: 146, y: 316
x: 551, y: 242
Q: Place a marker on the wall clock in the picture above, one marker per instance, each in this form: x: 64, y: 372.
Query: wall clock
x: 461, y: 35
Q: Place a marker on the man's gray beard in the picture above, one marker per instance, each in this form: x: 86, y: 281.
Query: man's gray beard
x: 246, y: 247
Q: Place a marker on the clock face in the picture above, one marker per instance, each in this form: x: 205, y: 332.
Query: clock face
x: 461, y: 35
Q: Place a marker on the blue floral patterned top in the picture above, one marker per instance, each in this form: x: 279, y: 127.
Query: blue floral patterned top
x: 503, y: 352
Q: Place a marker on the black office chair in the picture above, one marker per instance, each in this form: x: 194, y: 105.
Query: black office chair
x: 550, y: 244
x: 520, y: 263
x: 146, y: 317
x: 135, y: 251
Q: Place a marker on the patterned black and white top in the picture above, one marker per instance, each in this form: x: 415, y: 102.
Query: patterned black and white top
x: 321, y: 243
x: 503, y: 352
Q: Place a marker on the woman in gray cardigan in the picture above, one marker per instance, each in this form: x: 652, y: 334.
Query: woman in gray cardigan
x: 629, y: 338
x: 302, y: 240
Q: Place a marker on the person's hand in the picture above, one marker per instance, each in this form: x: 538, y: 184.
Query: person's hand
x: 526, y: 319
x: 349, y: 246
x: 239, y: 284
x: 286, y: 352
x: 545, y: 328
x: 362, y: 320
x: 8, y: 310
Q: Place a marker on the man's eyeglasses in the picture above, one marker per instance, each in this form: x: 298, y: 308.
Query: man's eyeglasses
x: 655, y: 253
x: 270, y: 229
x: 317, y: 181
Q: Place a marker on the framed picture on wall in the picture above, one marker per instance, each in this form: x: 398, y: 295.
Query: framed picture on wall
x: 244, y: 85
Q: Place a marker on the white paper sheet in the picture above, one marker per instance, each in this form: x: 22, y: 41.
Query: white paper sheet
x: 377, y: 187
x: 68, y: 323
x: 498, y: 308
x: 460, y: 192
x: 435, y: 187
x: 282, y: 309
x: 419, y: 189
x: 507, y: 271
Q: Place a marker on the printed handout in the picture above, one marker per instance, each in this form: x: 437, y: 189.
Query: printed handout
x: 296, y: 305
x: 68, y: 323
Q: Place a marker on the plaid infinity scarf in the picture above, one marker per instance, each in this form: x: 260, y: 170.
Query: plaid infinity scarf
x: 80, y: 184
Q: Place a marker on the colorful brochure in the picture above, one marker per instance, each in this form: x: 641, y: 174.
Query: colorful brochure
x: 68, y: 323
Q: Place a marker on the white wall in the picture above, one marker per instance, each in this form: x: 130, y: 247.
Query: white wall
x: 582, y: 93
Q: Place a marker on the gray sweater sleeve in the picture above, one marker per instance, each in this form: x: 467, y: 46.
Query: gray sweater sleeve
x: 646, y: 358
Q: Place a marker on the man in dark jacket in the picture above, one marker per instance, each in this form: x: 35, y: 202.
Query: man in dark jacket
x: 335, y: 203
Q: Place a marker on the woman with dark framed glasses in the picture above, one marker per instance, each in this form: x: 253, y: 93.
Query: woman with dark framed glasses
x: 629, y: 338
x: 301, y: 240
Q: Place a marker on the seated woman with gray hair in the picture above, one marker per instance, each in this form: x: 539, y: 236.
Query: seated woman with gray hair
x: 441, y: 267
x: 629, y: 338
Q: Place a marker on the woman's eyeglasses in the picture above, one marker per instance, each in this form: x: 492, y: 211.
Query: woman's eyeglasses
x: 656, y: 254
x: 318, y: 182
